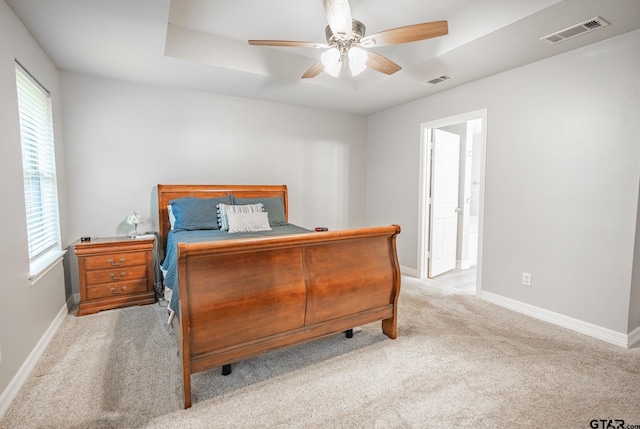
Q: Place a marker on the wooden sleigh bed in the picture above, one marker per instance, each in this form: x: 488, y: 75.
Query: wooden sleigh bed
x: 239, y: 298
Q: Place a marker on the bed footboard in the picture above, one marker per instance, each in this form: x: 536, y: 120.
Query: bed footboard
x: 241, y: 298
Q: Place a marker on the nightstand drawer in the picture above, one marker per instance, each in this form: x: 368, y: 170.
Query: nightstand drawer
x: 116, y: 275
x: 115, y: 260
x: 109, y: 290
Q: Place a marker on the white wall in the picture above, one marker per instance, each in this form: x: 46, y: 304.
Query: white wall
x: 26, y: 312
x: 122, y: 139
x: 562, y: 174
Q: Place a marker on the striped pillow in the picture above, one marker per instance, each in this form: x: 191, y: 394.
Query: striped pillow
x: 223, y: 209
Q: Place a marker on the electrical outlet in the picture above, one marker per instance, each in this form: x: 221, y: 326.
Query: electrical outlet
x: 526, y: 279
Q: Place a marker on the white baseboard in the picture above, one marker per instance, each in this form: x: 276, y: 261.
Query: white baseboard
x: 409, y: 271
x: 634, y: 337
x: 23, y: 373
x: 576, y: 325
x: 462, y: 265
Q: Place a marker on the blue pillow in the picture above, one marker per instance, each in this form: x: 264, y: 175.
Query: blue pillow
x: 274, y: 206
x: 193, y: 213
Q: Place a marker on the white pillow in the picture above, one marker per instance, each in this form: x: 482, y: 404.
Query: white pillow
x: 172, y: 218
x: 223, y: 209
x: 248, y: 222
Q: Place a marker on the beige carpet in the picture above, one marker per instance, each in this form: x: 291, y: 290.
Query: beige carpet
x: 457, y: 362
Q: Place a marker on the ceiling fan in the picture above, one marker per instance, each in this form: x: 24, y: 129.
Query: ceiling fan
x: 346, y: 40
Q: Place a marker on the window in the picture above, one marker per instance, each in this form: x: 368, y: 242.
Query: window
x: 39, y: 165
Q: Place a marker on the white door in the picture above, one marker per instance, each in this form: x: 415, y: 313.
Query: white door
x: 443, y: 234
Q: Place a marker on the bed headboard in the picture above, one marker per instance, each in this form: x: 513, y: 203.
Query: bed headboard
x: 167, y: 193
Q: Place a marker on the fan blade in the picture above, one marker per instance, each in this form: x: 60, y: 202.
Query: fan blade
x: 338, y: 16
x: 381, y: 64
x: 289, y: 43
x: 313, y: 71
x: 410, y: 33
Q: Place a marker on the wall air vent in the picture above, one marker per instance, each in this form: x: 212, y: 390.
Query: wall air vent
x: 436, y: 80
x: 576, y: 30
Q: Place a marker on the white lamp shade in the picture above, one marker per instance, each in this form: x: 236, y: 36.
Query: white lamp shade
x: 357, y: 60
x: 334, y: 70
x: 135, y: 219
x: 330, y: 57
x: 331, y: 61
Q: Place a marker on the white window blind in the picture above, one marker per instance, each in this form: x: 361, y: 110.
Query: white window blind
x: 39, y: 165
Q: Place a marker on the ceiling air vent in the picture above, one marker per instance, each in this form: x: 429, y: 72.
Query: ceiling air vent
x: 576, y: 30
x: 436, y: 80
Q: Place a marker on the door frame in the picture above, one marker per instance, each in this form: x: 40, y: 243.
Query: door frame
x: 425, y: 184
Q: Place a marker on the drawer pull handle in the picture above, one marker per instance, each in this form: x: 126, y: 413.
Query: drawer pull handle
x: 120, y: 277
x: 116, y: 264
x: 117, y: 292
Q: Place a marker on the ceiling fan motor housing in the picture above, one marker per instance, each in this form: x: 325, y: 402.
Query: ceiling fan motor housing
x: 357, y: 32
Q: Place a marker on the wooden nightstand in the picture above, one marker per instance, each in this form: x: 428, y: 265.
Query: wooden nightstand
x: 114, y: 272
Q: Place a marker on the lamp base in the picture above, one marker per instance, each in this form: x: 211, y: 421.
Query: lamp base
x: 134, y: 233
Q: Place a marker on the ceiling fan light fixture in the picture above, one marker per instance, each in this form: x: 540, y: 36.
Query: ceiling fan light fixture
x: 357, y: 60
x: 331, y: 61
x: 334, y: 70
x: 330, y: 57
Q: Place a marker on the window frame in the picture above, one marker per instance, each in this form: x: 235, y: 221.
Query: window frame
x: 40, y: 178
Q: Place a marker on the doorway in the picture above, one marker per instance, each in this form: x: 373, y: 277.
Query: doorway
x: 452, y: 197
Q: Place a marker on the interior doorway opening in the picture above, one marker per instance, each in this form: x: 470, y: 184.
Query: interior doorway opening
x: 452, y: 198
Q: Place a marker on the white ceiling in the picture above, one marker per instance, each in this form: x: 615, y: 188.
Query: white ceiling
x: 202, y: 44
